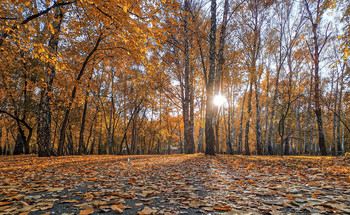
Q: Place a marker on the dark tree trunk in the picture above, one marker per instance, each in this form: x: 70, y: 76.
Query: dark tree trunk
x: 240, y: 136
x: 247, y: 125
x: 19, y: 144
x: 1, y: 152
x: 333, y: 149
x: 210, y: 115
x: 267, y: 112
x: 82, y: 149
x: 339, y: 145
x: 91, y: 151
x: 258, y: 125
x: 200, y: 140
x: 181, y: 142
x: 230, y: 130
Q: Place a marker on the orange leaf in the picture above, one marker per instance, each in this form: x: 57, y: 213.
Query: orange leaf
x: 132, y: 181
x: 314, y: 196
x: 222, y: 207
x: 118, y: 208
x: 250, y: 166
x: 87, y: 211
x: 147, y: 211
x: 290, y: 197
x: 251, y: 181
x: 4, y: 203
x: 125, y: 9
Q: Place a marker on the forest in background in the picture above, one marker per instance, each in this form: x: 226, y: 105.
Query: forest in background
x: 140, y: 76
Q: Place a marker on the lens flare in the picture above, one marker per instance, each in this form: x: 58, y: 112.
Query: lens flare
x: 219, y: 100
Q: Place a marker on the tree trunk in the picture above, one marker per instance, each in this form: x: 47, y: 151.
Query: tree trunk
x: 200, y: 140
x: 230, y: 130
x: 339, y: 142
x: 216, y: 130
x: 317, y: 48
x: 91, y: 151
x: 267, y: 112
x: 210, y: 115
x: 188, y: 127
x: 258, y: 125
x: 181, y: 142
x: 19, y: 144
x: 247, y: 125
x: 298, y: 128
x: 1, y: 152
x: 240, y: 136
x: 82, y: 148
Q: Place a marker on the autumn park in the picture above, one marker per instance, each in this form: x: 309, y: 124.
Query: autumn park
x: 174, y: 107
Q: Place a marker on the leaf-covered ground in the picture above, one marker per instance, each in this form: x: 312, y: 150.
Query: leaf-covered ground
x: 176, y: 184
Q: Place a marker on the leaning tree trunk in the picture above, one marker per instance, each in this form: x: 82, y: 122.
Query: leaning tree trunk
x: 72, y: 98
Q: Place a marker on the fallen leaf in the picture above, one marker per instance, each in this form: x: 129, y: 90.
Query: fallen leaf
x: 55, y: 189
x: 98, y: 203
x: 87, y: 211
x: 118, y: 208
x: 146, y: 193
x: 17, y: 197
x: 45, y: 207
x: 25, y: 209
x: 132, y: 181
x: 70, y: 201
x: 5, y: 203
x: 147, y: 211
x: 222, y: 207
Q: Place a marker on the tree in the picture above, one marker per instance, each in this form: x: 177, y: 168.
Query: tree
x: 315, y: 11
x: 210, y: 115
x: 188, y: 122
x: 44, y: 115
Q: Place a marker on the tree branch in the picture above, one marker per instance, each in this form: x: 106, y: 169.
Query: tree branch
x: 34, y: 16
x: 17, y: 119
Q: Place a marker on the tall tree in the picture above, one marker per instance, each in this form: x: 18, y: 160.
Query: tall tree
x: 315, y: 11
x: 44, y: 116
x: 188, y: 123
x: 210, y: 114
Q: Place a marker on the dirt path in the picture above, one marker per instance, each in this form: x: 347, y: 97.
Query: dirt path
x: 177, y: 184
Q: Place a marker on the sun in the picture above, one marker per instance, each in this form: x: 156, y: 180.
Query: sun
x: 219, y: 100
